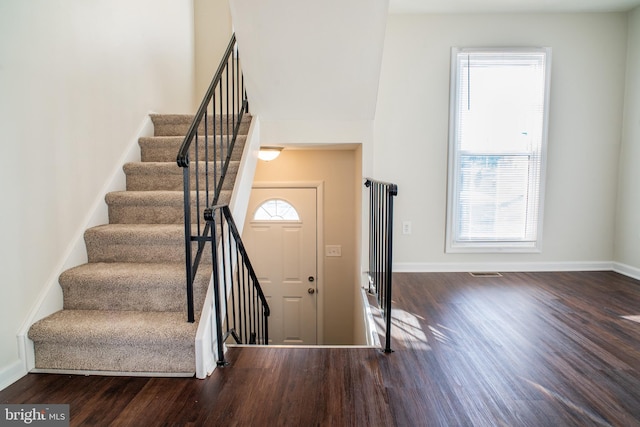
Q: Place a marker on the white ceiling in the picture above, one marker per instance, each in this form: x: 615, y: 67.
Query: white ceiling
x: 320, y: 60
x: 519, y: 6
x: 309, y: 58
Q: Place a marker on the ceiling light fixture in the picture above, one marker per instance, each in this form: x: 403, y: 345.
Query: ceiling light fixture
x: 269, y: 153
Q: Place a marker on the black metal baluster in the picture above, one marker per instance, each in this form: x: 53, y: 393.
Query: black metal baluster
x: 206, y: 161
x: 243, y: 310
x: 210, y: 217
x: 232, y: 295
x: 187, y: 238
x: 216, y: 149
x: 197, y: 187
x: 239, y: 287
x: 392, y: 192
x: 225, y: 267
x: 227, y: 131
x: 234, y: 77
x: 252, y: 311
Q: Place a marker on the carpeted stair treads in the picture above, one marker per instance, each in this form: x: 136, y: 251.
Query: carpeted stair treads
x: 125, y: 310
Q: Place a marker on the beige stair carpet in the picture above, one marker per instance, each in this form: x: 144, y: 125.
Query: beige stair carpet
x: 125, y: 310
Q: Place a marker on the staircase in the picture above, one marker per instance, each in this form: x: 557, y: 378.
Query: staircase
x: 125, y: 310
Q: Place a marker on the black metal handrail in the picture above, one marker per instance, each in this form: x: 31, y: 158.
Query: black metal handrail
x: 381, y: 196
x: 237, y: 292
x: 209, y: 142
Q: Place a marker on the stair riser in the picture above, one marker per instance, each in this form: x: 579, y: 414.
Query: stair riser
x: 132, y: 211
x: 137, y: 181
x: 152, y: 214
x: 114, y: 357
x: 150, y: 245
x: 123, y: 214
x: 159, y: 298
x: 165, y: 149
x: 100, y: 252
x: 179, y: 126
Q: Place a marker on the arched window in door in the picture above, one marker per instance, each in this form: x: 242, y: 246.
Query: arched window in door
x: 276, y: 210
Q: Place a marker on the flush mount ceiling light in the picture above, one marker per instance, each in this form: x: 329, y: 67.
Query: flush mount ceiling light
x: 269, y: 153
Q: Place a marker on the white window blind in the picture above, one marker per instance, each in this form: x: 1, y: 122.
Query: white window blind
x: 497, y: 145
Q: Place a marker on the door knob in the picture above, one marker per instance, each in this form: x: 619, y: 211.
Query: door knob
x: 311, y: 290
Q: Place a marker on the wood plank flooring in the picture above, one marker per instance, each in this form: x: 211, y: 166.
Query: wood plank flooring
x: 524, y: 349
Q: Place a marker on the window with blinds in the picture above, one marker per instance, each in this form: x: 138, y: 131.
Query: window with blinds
x: 497, y: 145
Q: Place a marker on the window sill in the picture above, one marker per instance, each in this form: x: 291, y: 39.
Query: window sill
x: 493, y: 248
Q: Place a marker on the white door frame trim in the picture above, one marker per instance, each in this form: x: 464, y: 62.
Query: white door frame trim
x: 319, y: 186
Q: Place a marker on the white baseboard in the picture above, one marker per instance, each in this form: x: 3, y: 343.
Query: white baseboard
x: 50, y: 299
x: 426, y: 267
x: 409, y: 267
x: 627, y: 270
x: 372, y: 338
x: 12, y: 373
x: 113, y: 373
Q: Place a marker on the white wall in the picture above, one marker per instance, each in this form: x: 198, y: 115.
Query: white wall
x: 212, y: 19
x: 627, y: 250
x: 587, y: 89
x: 77, y: 80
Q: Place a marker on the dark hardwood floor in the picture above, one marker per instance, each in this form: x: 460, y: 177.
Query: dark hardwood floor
x: 524, y: 349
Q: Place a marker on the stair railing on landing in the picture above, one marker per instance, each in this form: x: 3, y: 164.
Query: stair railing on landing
x: 381, y: 196
x: 209, y: 142
x: 237, y: 291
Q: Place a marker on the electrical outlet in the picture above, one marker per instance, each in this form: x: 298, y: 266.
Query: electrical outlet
x: 406, y: 227
x: 333, y: 250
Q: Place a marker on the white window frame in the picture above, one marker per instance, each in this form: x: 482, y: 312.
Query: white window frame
x: 453, y: 243
x: 273, y: 215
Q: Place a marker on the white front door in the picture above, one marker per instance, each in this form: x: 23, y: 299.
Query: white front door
x: 280, y: 237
